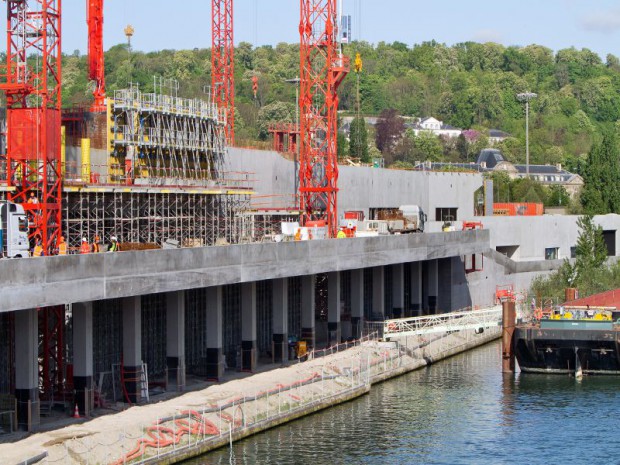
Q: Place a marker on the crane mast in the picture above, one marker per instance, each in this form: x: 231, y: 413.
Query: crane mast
x: 322, y: 69
x: 32, y: 88
x: 96, y: 68
x: 223, y: 62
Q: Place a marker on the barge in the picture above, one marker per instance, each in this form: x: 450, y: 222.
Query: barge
x: 570, y: 340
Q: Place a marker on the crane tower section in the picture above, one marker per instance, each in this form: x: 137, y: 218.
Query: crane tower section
x: 322, y: 69
x: 223, y: 62
x: 32, y: 88
x: 96, y: 70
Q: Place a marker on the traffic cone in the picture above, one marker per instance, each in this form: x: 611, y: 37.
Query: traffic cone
x: 76, y: 412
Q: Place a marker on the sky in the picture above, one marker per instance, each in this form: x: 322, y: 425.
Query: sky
x: 186, y: 24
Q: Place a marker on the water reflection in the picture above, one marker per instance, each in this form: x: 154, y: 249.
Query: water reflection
x: 460, y: 411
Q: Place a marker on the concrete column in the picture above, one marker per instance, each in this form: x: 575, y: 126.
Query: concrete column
x: 132, y: 347
x: 378, y: 293
x: 333, y: 308
x: 27, y: 369
x: 308, y: 333
x: 357, y: 302
x: 444, y: 294
x: 215, y: 337
x: 83, y: 355
x: 248, y: 326
x: 433, y: 286
x: 280, y: 320
x: 398, y: 290
x: 416, y: 288
x: 175, y: 338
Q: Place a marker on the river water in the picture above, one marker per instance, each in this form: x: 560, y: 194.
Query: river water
x: 458, y: 411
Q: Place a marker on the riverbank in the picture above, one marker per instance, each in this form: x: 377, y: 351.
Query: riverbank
x: 197, y: 422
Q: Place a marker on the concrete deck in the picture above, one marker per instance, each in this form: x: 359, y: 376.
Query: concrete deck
x: 31, y: 283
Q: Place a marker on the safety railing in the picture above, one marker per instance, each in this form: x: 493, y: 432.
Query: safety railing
x: 442, y: 323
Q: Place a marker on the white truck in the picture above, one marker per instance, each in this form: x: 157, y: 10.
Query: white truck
x: 13, y: 231
x: 405, y: 219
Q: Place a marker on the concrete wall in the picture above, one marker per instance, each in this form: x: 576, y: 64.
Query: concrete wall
x: 362, y: 188
x: 535, y: 233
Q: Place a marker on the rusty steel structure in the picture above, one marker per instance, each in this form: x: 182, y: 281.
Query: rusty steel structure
x: 32, y: 88
x: 223, y: 62
x: 96, y: 70
x: 322, y: 69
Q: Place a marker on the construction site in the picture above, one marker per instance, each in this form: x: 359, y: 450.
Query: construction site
x: 226, y: 260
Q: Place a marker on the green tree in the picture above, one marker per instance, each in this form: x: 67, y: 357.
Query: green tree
x: 273, y: 113
x: 358, y: 140
x: 427, y: 146
x: 601, y: 176
x: 591, y: 250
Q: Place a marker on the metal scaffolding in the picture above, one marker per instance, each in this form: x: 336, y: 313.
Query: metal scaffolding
x: 159, y: 139
x: 155, y: 216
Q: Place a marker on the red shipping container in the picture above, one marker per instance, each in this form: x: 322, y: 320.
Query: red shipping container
x: 518, y: 209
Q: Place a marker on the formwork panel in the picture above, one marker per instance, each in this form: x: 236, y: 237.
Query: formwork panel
x: 107, y: 345
x: 231, y: 322
x: 195, y: 331
x: 368, y: 293
x: 264, y: 317
x: 154, y: 334
x: 7, y: 354
x: 294, y: 307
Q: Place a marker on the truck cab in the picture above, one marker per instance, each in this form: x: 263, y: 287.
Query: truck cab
x: 13, y: 231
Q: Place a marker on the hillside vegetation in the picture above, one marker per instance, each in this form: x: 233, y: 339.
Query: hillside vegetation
x: 469, y: 85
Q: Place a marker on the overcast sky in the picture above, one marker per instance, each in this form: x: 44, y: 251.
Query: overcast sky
x: 186, y: 24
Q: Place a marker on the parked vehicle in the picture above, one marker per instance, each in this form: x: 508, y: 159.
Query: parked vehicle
x: 13, y: 230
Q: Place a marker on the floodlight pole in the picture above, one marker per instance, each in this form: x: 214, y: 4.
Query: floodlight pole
x: 526, y: 97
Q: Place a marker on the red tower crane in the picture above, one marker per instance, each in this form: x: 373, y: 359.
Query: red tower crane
x: 32, y: 87
x: 223, y: 62
x: 322, y: 69
x: 96, y: 71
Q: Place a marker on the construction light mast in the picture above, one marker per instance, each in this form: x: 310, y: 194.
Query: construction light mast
x: 33, y: 96
x: 96, y: 70
x: 322, y: 69
x: 223, y: 62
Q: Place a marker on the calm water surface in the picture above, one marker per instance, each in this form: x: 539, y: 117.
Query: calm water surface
x: 459, y: 411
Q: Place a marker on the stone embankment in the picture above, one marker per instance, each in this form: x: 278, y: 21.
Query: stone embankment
x: 200, y: 421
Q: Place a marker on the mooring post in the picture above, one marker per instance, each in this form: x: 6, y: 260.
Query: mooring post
x: 508, y: 327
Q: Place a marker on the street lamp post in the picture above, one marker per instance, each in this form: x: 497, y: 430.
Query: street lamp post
x: 296, y: 162
x: 526, y: 97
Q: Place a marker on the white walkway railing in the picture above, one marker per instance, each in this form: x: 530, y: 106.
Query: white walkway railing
x: 442, y: 323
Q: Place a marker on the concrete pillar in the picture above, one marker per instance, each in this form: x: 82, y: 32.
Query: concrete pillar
x: 27, y: 369
x: 132, y: 347
x: 398, y: 290
x: 416, y: 288
x: 83, y: 355
x: 378, y: 293
x: 280, y: 320
x: 333, y: 308
x: 215, y: 337
x: 433, y: 286
x: 444, y: 278
x: 308, y: 332
x: 175, y: 338
x: 357, y: 302
x: 248, y: 326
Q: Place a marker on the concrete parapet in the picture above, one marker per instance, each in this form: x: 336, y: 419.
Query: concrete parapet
x: 31, y: 283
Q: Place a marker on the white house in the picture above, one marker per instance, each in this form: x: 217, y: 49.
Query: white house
x: 434, y: 126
